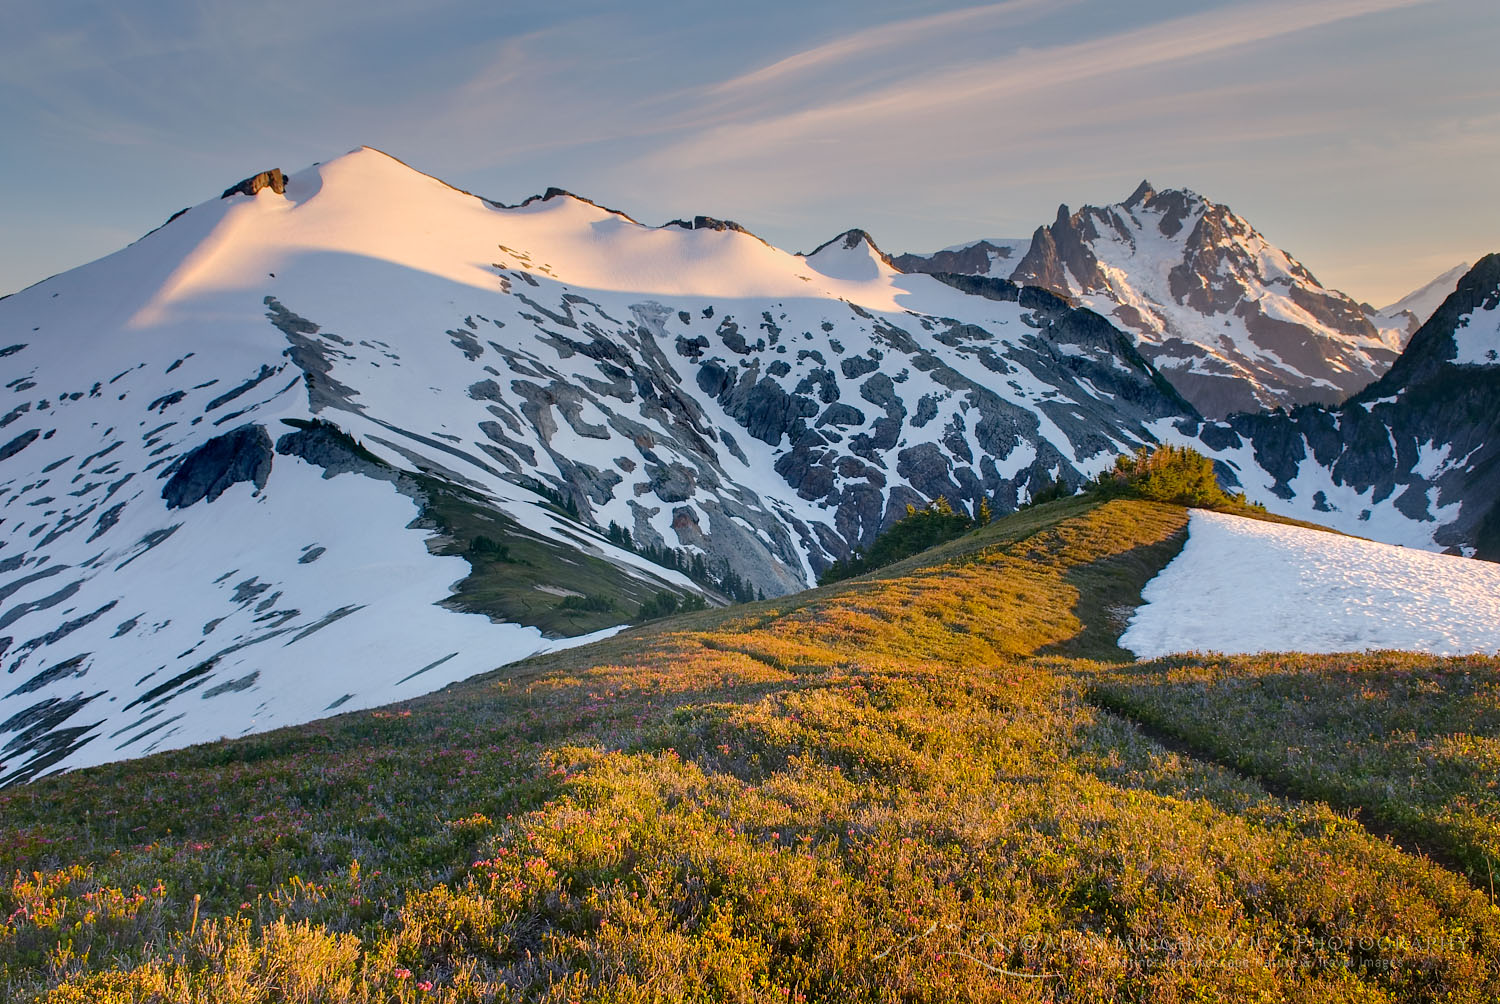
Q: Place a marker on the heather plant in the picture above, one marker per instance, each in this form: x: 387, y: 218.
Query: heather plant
x: 1410, y: 741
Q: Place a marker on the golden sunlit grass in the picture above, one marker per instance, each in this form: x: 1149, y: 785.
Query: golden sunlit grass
x: 1412, y: 740
x: 895, y: 788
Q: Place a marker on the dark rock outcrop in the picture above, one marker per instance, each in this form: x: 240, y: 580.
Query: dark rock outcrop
x: 982, y: 258
x: 242, y: 454
x: 272, y: 179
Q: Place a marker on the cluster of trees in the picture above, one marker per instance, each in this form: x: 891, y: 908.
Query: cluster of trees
x: 484, y: 547
x: 690, y: 563
x: 1048, y: 490
x: 918, y: 530
x: 589, y: 603
x: 664, y: 604
x: 566, y: 503
x: 1175, y: 474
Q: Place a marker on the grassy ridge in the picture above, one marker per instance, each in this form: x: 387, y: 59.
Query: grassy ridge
x: 1411, y: 740
x: 523, y: 577
x: 891, y: 789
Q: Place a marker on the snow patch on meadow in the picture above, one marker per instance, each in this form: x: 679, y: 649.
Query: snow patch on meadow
x: 1243, y: 585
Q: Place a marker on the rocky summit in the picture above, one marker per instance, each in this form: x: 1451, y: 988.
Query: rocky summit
x: 1234, y: 322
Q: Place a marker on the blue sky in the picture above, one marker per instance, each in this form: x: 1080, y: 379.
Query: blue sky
x: 1363, y: 136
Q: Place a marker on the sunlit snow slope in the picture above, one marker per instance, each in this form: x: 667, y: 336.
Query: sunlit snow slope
x: 1242, y: 585
x: 1417, y: 306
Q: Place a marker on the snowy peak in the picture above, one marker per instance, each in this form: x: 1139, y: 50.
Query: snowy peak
x: 387, y: 386
x: 1142, y: 193
x: 996, y: 256
x: 853, y: 256
x: 1413, y: 309
x: 1234, y: 322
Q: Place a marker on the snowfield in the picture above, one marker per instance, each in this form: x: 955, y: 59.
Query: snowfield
x: 1477, y: 338
x: 1242, y: 586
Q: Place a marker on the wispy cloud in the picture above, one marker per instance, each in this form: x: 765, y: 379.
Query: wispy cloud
x: 954, y: 94
x: 898, y: 35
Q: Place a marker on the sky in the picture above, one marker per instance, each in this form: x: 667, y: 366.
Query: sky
x: 1362, y: 136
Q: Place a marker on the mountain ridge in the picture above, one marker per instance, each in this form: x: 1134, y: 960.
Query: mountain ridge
x: 512, y: 374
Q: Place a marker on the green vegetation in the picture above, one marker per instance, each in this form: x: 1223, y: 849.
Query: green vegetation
x: 898, y: 788
x: 1171, y: 474
x: 1176, y: 474
x: 1411, y: 741
x: 1049, y: 490
x: 515, y: 575
x: 484, y: 547
x: 914, y: 533
x: 600, y: 604
x: 520, y: 576
x: 666, y: 604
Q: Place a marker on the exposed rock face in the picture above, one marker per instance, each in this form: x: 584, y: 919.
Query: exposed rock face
x: 1423, y: 439
x: 711, y: 223
x: 998, y: 258
x: 272, y: 179
x: 242, y: 454
x: 325, y: 446
x: 1234, y: 323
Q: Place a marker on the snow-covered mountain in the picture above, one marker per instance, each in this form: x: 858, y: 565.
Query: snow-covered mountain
x: 1414, y: 458
x: 1234, y: 322
x: 1417, y: 306
x: 345, y: 436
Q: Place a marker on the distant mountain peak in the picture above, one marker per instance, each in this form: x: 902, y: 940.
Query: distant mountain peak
x: 992, y: 256
x: 852, y: 255
x: 1143, y: 193
x: 1413, y: 309
x: 849, y: 240
x: 1234, y: 322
